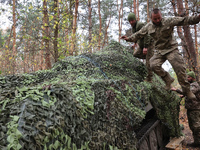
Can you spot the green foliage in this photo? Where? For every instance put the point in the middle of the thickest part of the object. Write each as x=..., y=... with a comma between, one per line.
x=167, y=105
x=82, y=90
x=1, y=39
x=13, y=134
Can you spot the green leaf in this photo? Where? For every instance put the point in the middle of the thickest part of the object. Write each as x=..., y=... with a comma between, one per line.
x=111, y=147
x=49, y=92
x=18, y=134
x=10, y=138
x=22, y=89
x=15, y=118
x=56, y=144
x=69, y=142
x=46, y=139
x=4, y=104
x=45, y=147
x=74, y=147
x=19, y=146
x=44, y=103
x=50, y=146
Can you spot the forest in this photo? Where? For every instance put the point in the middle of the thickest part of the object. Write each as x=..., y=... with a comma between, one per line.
x=36, y=34
x=64, y=70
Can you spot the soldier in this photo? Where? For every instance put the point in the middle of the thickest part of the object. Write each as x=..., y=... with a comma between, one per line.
x=144, y=44
x=193, y=108
x=166, y=47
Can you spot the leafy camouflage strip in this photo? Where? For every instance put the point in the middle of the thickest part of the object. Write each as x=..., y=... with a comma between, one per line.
x=167, y=108
x=92, y=101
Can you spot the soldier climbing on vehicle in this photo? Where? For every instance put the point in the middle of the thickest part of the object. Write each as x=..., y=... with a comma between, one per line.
x=193, y=108
x=166, y=47
x=145, y=44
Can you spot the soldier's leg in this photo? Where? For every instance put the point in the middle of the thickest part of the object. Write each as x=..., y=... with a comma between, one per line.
x=156, y=65
x=149, y=70
x=178, y=64
x=194, y=124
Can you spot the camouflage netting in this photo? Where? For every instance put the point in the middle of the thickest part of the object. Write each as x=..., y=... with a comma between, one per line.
x=92, y=101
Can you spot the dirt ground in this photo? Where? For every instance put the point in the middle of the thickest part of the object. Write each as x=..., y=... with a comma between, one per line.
x=186, y=131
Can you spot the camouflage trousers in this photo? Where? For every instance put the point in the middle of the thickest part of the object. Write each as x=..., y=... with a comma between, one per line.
x=194, y=124
x=178, y=64
x=139, y=54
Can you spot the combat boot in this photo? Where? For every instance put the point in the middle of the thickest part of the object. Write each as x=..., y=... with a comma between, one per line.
x=190, y=95
x=168, y=81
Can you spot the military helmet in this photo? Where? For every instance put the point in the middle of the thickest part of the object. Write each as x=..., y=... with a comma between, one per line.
x=131, y=16
x=191, y=74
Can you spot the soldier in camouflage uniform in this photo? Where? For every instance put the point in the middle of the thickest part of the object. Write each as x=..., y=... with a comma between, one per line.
x=166, y=47
x=193, y=108
x=145, y=44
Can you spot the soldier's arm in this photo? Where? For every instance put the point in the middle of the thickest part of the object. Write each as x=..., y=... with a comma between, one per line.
x=138, y=35
x=140, y=26
x=146, y=37
x=147, y=41
x=181, y=21
x=194, y=87
x=177, y=90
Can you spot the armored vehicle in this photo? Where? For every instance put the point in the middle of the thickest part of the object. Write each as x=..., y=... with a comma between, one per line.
x=96, y=101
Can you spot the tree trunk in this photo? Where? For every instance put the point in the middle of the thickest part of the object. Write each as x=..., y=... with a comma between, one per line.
x=106, y=32
x=118, y=18
x=100, y=25
x=120, y=12
x=73, y=51
x=41, y=62
x=14, y=38
x=131, y=7
x=56, y=20
x=188, y=37
x=46, y=35
x=148, y=11
x=134, y=6
x=69, y=27
x=121, y=17
x=138, y=11
x=197, y=53
x=181, y=36
x=187, y=8
x=42, y=52
x=90, y=25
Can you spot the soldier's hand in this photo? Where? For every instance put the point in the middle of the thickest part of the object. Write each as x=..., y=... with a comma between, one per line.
x=134, y=45
x=145, y=51
x=124, y=37
x=181, y=96
x=173, y=89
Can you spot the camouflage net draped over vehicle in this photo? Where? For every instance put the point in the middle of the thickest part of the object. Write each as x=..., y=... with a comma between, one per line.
x=92, y=101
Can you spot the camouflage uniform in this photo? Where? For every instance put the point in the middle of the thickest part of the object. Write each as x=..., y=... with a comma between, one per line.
x=193, y=111
x=166, y=47
x=145, y=42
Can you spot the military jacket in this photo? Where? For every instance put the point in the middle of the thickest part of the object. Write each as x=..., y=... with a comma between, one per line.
x=162, y=35
x=192, y=104
x=145, y=41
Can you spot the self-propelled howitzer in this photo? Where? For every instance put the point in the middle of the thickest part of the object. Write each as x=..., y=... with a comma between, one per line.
x=92, y=101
